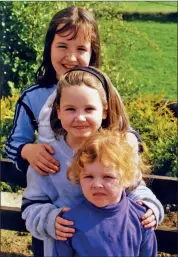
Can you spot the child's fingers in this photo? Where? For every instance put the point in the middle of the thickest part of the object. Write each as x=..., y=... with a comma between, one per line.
x=140, y=202
x=65, y=209
x=150, y=225
x=46, y=165
x=63, y=234
x=49, y=148
x=50, y=159
x=44, y=168
x=64, y=222
x=41, y=172
x=63, y=229
x=147, y=214
x=61, y=238
x=148, y=220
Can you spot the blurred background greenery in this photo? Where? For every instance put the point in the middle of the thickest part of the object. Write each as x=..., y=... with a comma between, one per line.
x=139, y=53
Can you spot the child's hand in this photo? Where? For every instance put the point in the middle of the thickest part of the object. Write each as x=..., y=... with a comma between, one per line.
x=148, y=219
x=39, y=157
x=63, y=232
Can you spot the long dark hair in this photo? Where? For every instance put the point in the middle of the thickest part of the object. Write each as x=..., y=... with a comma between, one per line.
x=70, y=18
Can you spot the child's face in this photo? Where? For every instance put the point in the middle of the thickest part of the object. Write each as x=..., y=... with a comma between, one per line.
x=100, y=185
x=81, y=112
x=67, y=54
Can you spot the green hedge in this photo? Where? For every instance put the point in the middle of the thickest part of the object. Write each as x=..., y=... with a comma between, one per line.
x=152, y=118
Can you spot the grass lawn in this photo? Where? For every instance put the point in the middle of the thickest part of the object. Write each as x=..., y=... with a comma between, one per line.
x=149, y=6
x=155, y=69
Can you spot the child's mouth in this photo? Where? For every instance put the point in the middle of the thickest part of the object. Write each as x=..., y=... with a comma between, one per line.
x=99, y=194
x=68, y=67
x=81, y=127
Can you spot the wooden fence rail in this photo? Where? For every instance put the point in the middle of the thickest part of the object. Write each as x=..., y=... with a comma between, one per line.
x=165, y=188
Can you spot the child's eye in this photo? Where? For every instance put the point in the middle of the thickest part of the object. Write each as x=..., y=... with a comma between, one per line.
x=70, y=109
x=61, y=46
x=109, y=177
x=90, y=109
x=81, y=49
x=89, y=176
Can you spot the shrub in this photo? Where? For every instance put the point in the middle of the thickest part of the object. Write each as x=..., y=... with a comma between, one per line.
x=5, y=187
x=23, y=27
x=7, y=109
x=151, y=117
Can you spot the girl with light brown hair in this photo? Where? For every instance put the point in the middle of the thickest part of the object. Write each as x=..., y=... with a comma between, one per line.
x=85, y=103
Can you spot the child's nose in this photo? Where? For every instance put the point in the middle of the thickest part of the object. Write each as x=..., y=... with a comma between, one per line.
x=80, y=117
x=71, y=56
x=97, y=183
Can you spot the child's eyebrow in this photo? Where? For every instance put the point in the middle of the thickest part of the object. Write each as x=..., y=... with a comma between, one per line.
x=61, y=43
x=109, y=174
x=90, y=105
x=85, y=173
x=82, y=46
x=68, y=105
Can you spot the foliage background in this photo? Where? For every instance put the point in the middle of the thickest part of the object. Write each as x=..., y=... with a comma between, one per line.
x=124, y=48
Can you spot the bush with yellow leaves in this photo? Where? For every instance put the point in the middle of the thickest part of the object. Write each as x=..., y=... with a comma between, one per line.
x=152, y=118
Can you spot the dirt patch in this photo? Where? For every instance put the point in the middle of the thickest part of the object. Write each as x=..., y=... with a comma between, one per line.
x=166, y=255
x=15, y=244
x=170, y=221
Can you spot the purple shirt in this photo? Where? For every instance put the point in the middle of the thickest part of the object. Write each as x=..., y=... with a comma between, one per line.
x=114, y=230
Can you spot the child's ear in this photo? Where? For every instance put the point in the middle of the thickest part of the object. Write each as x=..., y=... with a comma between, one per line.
x=104, y=114
x=58, y=113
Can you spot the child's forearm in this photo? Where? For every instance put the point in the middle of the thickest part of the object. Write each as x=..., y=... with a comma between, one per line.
x=22, y=132
x=37, y=208
x=40, y=219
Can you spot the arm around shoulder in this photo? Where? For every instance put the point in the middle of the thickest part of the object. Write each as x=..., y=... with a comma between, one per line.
x=144, y=194
x=38, y=211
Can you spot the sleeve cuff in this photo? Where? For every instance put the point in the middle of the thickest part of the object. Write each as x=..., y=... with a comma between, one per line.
x=159, y=215
x=21, y=164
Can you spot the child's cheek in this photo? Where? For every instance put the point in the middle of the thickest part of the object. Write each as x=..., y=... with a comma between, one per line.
x=110, y=185
x=86, y=185
x=113, y=185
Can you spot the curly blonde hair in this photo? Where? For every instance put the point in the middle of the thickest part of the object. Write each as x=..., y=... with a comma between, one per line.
x=112, y=150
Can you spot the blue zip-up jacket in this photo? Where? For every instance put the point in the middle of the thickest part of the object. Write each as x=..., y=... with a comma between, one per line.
x=32, y=106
